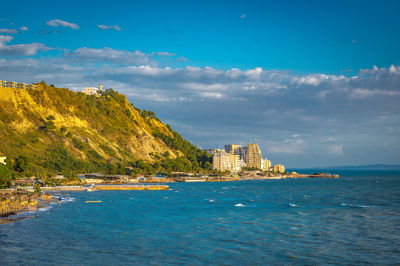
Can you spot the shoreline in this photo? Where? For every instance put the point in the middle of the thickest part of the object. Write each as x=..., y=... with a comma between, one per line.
x=44, y=199
x=153, y=185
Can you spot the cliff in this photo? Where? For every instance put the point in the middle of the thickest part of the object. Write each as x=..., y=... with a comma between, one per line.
x=58, y=130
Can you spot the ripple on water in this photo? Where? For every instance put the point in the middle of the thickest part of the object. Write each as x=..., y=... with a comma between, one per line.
x=190, y=229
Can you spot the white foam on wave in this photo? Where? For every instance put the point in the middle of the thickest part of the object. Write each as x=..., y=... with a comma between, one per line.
x=45, y=209
x=357, y=206
x=210, y=200
x=239, y=205
x=292, y=205
x=67, y=199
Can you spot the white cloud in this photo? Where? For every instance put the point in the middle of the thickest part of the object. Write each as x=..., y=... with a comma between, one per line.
x=8, y=31
x=211, y=95
x=62, y=23
x=19, y=49
x=394, y=70
x=109, y=55
x=363, y=93
x=164, y=54
x=254, y=73
x=336, y=149
x=315, y=79
x=285, y=149
x=109, y=27
x=24, y=28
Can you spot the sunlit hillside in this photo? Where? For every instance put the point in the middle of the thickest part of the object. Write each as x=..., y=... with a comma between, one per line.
x=52, y=130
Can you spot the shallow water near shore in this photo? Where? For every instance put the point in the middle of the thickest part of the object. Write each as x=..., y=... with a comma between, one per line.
x=351, y=220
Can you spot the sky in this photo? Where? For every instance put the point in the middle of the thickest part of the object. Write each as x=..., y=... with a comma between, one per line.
x=315, y=83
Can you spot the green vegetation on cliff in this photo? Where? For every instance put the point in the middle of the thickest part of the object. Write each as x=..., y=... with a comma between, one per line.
x=54, y=130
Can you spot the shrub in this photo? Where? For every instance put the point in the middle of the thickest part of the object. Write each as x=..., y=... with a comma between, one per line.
x=5, y=176
x=51, y=117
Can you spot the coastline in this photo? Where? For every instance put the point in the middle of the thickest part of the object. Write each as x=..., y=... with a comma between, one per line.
x=16, y=202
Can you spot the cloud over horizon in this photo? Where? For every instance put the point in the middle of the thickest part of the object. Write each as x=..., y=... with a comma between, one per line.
x=329, y=112
x=19, y=49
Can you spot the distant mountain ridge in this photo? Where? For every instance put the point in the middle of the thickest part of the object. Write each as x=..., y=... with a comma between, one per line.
x=364, y=167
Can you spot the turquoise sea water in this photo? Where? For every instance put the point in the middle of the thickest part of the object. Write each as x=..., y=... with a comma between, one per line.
x=351, y=220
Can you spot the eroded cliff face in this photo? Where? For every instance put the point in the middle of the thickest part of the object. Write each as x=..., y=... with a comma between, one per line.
x=106, y=128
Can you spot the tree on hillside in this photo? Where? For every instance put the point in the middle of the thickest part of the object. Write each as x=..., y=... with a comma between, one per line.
x=5, y=176
x=21, y=164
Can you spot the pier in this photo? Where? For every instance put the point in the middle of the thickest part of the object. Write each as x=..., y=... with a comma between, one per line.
x=131, y=187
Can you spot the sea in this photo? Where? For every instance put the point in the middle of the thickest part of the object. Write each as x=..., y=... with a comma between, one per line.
x=353, y=220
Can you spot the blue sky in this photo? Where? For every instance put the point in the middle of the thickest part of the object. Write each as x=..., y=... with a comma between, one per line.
x=315, y=82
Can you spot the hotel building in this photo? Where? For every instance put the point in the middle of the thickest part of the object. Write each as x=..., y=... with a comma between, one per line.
x=278, y=168
x=253, y=155
x=265, y=164
x=232, y=149
x=226, y=161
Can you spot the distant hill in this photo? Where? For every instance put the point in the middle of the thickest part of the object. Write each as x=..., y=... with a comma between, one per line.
x=51, y=130
x=365, y=167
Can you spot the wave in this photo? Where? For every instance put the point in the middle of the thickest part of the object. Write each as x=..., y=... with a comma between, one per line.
x=67, y=199
x=240, y=205
x=357, y=206
x=45, y=209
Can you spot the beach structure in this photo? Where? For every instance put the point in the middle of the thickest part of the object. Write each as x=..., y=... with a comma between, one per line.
x=59, y=177
x=17, y=85
x=12, y=201
x=96, y=178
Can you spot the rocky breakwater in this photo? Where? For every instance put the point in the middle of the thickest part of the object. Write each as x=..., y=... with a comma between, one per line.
x=324, y=175
x=12, y=202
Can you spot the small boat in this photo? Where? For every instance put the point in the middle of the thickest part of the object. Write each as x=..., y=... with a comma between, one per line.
x=93, y=201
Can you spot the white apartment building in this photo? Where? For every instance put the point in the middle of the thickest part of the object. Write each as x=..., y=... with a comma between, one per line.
x=226, y=161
